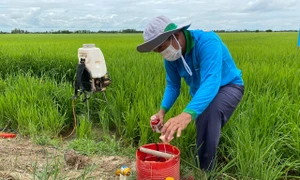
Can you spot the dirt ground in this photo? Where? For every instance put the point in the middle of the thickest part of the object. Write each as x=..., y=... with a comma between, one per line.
x=20, y=159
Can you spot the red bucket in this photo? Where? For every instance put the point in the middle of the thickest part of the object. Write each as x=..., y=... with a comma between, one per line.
x=152, y=167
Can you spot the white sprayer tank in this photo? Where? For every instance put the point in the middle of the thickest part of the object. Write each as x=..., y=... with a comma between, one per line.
x=94, y=60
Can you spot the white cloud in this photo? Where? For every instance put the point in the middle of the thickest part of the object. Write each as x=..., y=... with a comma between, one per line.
x=41, y=15
x=274, y=5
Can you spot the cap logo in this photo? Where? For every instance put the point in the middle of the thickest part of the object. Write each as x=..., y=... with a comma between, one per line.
x=170, y=27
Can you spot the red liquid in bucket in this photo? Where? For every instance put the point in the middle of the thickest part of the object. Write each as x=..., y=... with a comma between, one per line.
x=157, y=168
x=155, y=159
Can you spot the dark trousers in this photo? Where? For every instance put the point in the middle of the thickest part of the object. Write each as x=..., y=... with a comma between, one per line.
x=211, y=121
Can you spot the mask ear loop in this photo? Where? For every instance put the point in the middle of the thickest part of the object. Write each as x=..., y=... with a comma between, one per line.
x=186, y=66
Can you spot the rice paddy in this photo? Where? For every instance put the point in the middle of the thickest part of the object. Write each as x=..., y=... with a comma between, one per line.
x=261, y=140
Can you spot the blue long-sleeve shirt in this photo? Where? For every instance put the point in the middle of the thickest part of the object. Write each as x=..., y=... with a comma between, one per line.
x=212, y=66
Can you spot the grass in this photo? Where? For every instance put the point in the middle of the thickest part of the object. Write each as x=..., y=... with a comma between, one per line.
x=31, y=105
x=53, y=169
x=261, y=140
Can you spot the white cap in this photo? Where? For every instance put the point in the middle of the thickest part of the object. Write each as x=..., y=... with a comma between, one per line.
x=157, y=31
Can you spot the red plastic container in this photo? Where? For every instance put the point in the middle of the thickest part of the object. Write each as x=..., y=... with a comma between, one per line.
x=156, y=168
x=7, y=135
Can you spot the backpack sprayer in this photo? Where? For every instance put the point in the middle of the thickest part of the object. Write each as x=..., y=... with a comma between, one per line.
x=91, y=75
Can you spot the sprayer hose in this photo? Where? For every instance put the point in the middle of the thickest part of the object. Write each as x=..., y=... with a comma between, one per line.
x=74, y=115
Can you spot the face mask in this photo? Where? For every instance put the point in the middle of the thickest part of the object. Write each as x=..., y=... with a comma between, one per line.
x=170, y=53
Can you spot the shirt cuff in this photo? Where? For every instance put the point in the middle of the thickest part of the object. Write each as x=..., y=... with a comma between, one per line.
x=164, y=108
x=191, y=112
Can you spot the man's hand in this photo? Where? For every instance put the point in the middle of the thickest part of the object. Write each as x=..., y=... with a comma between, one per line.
x=177, y=123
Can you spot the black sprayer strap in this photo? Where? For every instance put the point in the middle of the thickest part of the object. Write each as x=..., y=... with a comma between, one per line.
x=78, y=83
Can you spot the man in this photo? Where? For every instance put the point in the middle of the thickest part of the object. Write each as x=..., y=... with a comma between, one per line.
x=216, y=84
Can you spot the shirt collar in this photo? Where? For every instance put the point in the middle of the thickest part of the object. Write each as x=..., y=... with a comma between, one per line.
x=189, y=41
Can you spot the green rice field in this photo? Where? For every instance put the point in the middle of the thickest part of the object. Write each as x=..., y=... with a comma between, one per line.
x=261, y=140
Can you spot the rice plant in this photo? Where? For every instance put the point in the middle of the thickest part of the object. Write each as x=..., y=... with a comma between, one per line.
x=261, y=140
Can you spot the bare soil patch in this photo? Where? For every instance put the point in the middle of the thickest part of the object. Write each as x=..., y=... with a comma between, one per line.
x=20, y=159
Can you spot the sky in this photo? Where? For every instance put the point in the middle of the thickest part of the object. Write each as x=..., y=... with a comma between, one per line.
x=95, y=15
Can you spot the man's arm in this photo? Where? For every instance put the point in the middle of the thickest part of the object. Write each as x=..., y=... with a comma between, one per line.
x=210, y=53
x=172, y=89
